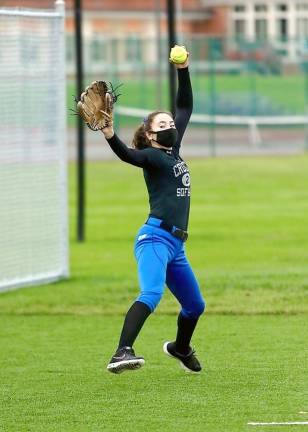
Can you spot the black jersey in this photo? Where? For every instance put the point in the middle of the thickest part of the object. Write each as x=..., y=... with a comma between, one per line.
x=166, y=174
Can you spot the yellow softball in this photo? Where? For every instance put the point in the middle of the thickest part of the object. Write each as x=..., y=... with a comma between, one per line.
x=178, y=54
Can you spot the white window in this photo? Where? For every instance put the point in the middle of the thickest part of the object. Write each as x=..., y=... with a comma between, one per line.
x=239, y=28
x=282, y=7
x=282, y=28
x=302, y=27
x=301, y=7
x=261, y=29
x=260, y=7
x=239, y=8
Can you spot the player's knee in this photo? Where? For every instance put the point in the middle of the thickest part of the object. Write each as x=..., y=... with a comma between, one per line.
x=201, y=307
x=151, y=299
x=195, y=309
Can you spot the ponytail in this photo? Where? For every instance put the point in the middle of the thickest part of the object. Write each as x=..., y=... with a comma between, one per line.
x=140, y=140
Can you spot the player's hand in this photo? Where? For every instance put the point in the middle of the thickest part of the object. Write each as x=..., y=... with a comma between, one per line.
x=108, y=116
x=179, y=56
x=183, y=65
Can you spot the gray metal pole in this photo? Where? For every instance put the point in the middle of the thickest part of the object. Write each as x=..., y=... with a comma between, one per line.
x=212, y=83
x=80, y=127
x=171, y=9
x=179, y=20
x=306, y=104
x=159, y=55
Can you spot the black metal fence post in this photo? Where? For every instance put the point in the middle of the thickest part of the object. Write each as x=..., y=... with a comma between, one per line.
x=80, y=127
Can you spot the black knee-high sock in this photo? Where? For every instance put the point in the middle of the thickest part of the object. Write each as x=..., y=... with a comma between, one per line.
x=134, y=320
x=186, y=327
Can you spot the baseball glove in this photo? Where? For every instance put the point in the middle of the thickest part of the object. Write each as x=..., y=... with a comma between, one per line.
x=95, y=105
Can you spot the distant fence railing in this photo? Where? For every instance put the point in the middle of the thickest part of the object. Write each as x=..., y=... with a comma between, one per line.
x=236, y=82
x=252, y=123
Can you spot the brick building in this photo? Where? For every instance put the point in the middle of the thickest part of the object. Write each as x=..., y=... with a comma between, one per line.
x=115, y=17
x=284, y=23
x=273, y=19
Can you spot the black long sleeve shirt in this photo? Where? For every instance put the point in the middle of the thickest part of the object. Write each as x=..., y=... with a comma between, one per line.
x=166, y=174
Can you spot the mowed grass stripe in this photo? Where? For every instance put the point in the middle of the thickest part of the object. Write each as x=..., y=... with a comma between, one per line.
x=248, y=240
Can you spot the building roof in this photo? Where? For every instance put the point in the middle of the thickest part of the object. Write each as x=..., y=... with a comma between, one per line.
x=108, y=5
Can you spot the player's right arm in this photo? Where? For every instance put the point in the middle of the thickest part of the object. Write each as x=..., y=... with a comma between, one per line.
x=139, y=158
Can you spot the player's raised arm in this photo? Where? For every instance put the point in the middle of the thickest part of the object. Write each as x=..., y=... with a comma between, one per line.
x=184, y=99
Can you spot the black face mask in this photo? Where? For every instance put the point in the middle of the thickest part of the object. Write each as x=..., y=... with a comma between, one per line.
x=166, y=137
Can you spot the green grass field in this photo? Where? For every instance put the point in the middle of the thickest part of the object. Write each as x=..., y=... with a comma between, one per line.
x=249, y=248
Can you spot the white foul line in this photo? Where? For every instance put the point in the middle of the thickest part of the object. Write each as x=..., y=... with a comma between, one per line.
x=277, y=423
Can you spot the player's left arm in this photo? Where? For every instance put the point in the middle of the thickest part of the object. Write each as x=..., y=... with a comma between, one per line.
x=184, y=101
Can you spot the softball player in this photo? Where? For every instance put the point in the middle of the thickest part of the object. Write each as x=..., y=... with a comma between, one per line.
x=159, y=244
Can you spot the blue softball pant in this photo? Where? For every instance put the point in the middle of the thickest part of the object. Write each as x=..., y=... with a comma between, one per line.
x=161, y=260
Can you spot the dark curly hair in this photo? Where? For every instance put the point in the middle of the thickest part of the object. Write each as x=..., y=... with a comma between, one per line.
x=140, y=140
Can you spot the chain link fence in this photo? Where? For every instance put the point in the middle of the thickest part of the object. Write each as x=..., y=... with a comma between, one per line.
x=248, y=95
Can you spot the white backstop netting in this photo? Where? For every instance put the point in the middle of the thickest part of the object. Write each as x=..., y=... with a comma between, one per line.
x=33, y=185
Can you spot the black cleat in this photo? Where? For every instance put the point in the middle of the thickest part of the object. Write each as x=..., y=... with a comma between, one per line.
x=188, y=362
x=125, y=359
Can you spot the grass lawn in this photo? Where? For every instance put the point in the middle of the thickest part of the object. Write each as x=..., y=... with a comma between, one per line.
x=249, y=248
x=52, y=376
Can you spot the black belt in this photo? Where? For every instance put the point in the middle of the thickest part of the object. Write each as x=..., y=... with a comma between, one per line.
x=176, y=232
